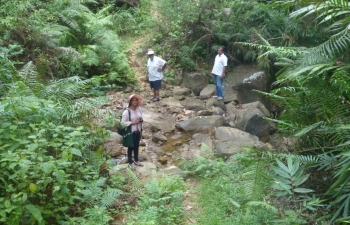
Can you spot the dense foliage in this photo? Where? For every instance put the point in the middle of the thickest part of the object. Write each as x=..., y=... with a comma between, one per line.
x=307, y=42
x=198, y=28
x=67, y=38
x=56, y=57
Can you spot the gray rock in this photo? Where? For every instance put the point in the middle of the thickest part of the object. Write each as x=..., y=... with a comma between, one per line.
x=158, y=137
x=259, y=127
x=181, y=91
x=217, y=111
x=147, y=170
x=193, y=104
x=208, y=91
x=195, y=82
x=230, y=94
x=200, y=124
x=242, y=116
x=231, y=140
x=172, y=170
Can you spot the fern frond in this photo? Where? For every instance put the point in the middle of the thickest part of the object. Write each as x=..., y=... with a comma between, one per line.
x=136, y=182
x=262, y=205
x=108, y=197
x=308, y=129
x=255, y=181
x=307, y=158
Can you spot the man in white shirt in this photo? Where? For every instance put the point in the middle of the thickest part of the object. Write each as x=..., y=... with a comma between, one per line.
x=218, y=73
x=155, y=66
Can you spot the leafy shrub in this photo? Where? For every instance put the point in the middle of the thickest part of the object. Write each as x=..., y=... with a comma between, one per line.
x=161, y=202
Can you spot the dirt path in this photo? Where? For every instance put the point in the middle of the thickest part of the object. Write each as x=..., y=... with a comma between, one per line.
x=138, y=63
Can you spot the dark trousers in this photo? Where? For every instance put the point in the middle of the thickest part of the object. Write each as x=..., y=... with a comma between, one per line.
x=136, y=137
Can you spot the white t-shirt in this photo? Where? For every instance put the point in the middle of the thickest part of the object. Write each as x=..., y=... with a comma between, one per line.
x=153, y=66
x=219, y=64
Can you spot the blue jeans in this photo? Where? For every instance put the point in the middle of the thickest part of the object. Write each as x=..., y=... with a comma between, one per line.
x=219, y=87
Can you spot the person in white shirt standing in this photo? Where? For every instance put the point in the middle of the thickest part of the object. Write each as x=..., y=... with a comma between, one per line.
x=218, y=73
x=155, y=66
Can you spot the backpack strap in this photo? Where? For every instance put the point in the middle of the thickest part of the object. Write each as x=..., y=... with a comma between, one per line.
x=129, y=113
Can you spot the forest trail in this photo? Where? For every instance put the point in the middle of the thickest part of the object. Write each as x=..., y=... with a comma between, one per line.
x=138, y=63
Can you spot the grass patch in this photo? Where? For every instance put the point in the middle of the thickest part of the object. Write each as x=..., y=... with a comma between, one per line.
x=233, y=192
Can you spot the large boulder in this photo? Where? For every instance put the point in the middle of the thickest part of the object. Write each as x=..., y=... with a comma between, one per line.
x=196, y=82
x=258, y=81
x=181, y=91
x=200, y=124
x=230, y=141
x=178, y=77
x=230, y=93
x=243, y=114
x=216, y=103
x=197, y=145
x=208, y=91
x=259, y=127
x=112, y=144
x=193, y=104
x=156, y=121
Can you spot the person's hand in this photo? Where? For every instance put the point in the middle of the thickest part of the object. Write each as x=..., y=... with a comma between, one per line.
x=136, y=121
x=160, y=70
x=222, y=76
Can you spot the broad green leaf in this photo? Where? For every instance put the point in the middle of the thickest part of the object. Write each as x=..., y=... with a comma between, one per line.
x=281, y=186
x=343, y=179
x=235, y=203
x=295, y=168
x=281, y=179
x=47, y=167
x=75, y=151
x=7, y=204
x=282, y=193
x=346, y=153
x=281, y=172
x=5, y=124
x=35, y=212
x=300, y=180
x=24, y=197
x=290, y=165
x=302, y=190
x=282, y=166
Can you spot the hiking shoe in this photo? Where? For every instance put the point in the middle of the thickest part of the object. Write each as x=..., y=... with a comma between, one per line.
x=138, y=164
x=152, y=99
x=131, y=166
x=215, y=96
x=219, y=98
x=155, y=99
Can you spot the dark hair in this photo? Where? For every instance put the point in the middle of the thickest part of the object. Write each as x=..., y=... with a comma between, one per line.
x=223, y=48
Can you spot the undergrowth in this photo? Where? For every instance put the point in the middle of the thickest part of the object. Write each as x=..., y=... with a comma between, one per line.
x=241, y=191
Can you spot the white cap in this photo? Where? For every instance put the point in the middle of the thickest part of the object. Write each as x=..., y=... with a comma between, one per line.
x=150, y=52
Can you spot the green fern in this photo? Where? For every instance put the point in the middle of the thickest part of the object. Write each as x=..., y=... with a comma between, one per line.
x=135, y=181
x=256, y=181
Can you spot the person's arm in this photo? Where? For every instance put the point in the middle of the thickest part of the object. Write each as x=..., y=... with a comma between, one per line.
x=147, y=72
x=164, y=66
x=125, y=118
x=223, y=72
x=225, y=65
